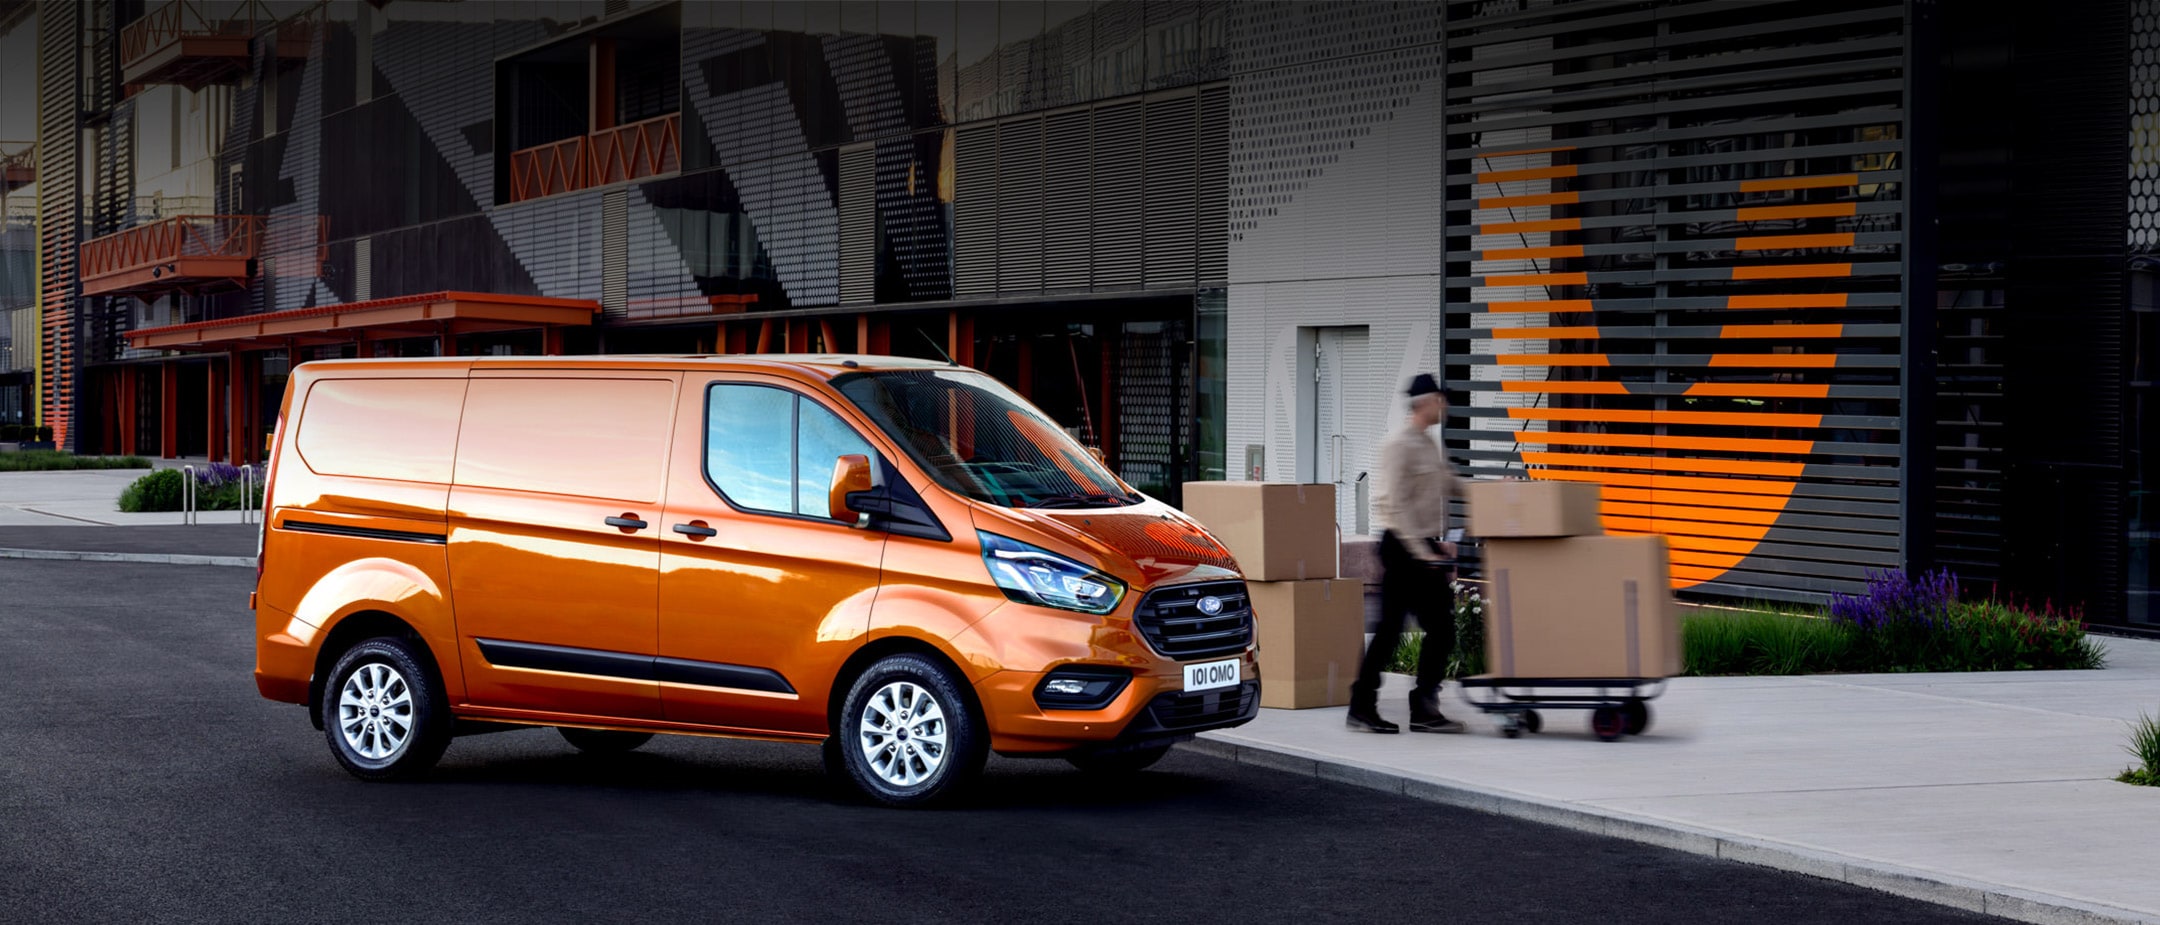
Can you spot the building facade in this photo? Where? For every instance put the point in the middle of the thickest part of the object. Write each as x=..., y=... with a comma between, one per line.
x=1811, y=288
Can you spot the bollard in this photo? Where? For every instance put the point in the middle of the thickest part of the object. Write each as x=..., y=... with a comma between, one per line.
x=247, y=493
x=187, y=495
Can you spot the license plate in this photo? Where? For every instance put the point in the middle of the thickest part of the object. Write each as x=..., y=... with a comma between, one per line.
x=1208, y=676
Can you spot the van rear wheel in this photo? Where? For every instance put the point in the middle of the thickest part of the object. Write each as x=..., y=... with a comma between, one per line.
x=603, y=741
x=384, y=714
x=908, y=734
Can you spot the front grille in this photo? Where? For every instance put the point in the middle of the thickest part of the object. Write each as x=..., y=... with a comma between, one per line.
x=1174, y=624
x=1201, y=708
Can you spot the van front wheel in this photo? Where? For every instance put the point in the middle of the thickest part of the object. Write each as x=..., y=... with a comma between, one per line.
x=907, y=734
x=382, y=711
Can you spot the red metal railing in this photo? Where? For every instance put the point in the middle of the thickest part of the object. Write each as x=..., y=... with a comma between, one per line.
x=629, y=152
x=182, y=236
x=178, y=19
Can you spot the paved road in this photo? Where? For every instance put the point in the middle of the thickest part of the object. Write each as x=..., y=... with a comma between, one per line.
x=141, y=779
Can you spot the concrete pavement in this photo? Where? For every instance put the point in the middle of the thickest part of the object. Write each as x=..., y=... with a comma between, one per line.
x=82, y=497
x=1988, y=792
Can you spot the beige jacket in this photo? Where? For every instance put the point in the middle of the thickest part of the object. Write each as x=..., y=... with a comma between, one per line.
x=1411, y=494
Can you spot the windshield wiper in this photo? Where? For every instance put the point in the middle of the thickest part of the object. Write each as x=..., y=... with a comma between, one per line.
x=1080, y=499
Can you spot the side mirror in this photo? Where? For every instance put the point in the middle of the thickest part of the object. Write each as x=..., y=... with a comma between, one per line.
x=851, y=474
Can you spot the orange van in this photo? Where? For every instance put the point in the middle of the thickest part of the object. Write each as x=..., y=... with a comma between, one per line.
x=901, y=560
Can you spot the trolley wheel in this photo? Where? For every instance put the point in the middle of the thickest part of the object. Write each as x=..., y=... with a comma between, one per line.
x=1636, y=715
x=1511, y=729
x=1532, y=722
x=1607, y=723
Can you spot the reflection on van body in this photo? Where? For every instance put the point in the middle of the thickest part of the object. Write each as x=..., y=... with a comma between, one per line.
x=901, y=561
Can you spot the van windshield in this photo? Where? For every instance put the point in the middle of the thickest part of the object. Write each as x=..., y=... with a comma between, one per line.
x=975, y=437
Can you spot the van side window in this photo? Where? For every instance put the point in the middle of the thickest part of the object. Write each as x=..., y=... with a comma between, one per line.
x=769, y=449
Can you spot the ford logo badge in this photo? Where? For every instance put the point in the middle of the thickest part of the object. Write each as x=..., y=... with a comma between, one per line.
x=1211, y=605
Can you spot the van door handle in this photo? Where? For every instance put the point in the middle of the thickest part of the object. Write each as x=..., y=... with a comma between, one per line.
x=627, y=522
x=696, y=530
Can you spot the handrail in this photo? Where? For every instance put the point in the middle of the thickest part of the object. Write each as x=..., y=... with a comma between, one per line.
x=187, y=495
x=626, y=152
x=179, y=236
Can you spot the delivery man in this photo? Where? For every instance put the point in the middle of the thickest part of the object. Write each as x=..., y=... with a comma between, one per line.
x=1417, y=565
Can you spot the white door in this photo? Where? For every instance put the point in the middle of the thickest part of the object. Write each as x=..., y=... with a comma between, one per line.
x=1339, y=439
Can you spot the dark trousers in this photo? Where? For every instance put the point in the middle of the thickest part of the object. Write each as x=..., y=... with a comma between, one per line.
x=1408, y=584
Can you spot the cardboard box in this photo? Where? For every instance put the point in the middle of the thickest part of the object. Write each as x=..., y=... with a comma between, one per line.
x=1581, y=607
x=1278, y=531
x=1519, y=508
x=1311, y=635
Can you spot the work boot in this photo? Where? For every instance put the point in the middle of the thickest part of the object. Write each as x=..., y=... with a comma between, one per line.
x=1367, y=719
x=1425, y=715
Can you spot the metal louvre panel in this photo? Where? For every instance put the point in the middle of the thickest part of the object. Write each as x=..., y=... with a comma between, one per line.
x=1066, y=222
x=975, y=211
x=1020, y=206
x=363, y=269
x=59, y=30
x=1674, y=268
x=1118, y=244
x=615, y=254
x=1213, y=182
x=858, y=225
x=1171, y=196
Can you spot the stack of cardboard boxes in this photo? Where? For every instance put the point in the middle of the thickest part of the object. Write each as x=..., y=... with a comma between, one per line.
x=1563, y=600
x=1309, y=623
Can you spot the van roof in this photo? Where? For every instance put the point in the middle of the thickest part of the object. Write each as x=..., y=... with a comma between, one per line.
x=824, y=365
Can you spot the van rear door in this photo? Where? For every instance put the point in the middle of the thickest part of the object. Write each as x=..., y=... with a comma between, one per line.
x=555, y=538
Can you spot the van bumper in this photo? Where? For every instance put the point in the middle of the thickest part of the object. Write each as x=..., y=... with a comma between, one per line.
x=284, y=656
x=1153, y=709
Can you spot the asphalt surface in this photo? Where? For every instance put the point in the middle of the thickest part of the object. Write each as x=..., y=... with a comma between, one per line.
x=142, y=779
x=190, y=539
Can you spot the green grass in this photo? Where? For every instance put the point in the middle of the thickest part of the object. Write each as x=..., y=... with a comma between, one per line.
x=2145, y=747
x=1761, y=642
x=49, y=460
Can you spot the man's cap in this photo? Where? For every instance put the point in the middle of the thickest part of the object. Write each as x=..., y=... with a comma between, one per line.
x=1423, y=384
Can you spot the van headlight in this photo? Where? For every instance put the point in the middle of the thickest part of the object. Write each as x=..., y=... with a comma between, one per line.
x=1033, y=575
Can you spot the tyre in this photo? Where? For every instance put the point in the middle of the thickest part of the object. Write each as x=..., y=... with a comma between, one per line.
x=603, y=741
x=1635, y=717
x=1532, y=722
x=1120, y=763
x=909, y=733
x=1607, y=723
x=383, y=711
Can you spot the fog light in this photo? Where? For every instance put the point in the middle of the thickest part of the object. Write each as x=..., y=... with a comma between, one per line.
x=1081, y=687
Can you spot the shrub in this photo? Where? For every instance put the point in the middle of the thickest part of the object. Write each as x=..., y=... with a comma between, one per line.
x=1762, y=641
x=44, y=433
x=158, y=491
x=1899, y=620
x=1994, y=636
x=2145, y=747
x=43, y=460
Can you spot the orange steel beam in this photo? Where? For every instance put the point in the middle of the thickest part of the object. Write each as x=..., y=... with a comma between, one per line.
x=613, y=155
x=171, y=252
